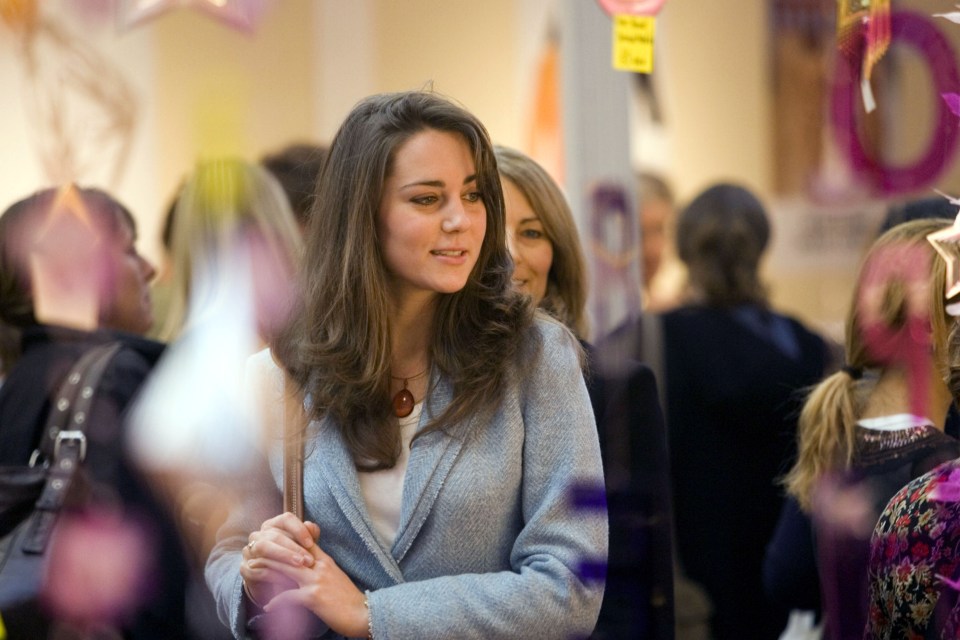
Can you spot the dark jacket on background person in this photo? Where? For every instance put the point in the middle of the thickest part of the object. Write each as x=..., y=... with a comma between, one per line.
x=884, y=461
x=734, y=380
x=731, y=381
x=638, y=599
x=47, y=353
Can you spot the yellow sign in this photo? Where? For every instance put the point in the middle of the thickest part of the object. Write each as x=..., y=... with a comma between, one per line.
x=3, y=630
x=633, y=43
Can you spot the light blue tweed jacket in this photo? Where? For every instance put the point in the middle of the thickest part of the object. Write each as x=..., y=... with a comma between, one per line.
x=490, y=543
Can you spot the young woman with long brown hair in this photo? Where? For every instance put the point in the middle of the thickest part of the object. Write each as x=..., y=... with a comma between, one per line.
x=450, y=429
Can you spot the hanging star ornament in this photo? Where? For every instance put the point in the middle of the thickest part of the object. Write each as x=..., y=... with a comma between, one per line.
x=947, y=243
x=953, y=16
x=65, y=272
x=243, y=15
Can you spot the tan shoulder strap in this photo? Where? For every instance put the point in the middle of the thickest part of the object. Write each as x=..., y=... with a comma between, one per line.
x=294, y=423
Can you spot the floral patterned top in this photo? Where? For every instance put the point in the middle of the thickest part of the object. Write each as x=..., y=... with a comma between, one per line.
x=915, y=560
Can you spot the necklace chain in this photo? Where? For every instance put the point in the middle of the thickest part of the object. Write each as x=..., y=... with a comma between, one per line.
x=408, y=378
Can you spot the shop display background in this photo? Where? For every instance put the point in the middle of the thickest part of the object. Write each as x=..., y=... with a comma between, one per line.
x=203, y=88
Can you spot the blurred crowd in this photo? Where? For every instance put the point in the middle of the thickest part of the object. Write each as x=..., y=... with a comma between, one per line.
x=360, y=397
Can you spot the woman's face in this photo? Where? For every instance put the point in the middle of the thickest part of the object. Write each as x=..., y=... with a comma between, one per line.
x=432, y=217
x=529, y=246
x=125, y=286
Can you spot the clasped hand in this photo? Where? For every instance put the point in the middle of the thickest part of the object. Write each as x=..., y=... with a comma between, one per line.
x=283, y=565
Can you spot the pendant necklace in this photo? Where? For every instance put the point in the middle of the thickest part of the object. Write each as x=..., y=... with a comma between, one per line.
x=403, y=400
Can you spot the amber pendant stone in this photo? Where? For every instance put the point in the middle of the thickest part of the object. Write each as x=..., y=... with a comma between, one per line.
x=403, y=403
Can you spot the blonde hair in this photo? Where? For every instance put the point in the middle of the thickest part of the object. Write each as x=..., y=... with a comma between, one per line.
x=220, y=198
x=827, y=424
x=566, y=295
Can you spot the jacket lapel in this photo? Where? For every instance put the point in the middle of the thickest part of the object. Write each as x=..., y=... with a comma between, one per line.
x=431, y=458
x=339, y=474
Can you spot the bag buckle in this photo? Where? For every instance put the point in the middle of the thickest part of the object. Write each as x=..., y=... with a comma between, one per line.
x=37, y=456
x=71, y=435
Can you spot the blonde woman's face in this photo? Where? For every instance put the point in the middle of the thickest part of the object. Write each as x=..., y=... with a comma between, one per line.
x=529, y=246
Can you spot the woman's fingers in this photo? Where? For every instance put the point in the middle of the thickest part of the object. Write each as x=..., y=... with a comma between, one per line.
x=314, y=530
x=262, y=571
x=262, y=582
x=283, y=538
x=300, y=574
x=275, y=557
x=294, y=528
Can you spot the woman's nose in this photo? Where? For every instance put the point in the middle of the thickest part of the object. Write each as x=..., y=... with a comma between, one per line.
x=147, y=268
x=456, y=218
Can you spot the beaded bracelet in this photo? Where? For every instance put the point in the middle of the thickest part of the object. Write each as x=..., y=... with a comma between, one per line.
x=366, y=603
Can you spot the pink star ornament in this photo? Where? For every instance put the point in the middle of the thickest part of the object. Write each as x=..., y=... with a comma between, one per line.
x=946, y=242
x=243, y=15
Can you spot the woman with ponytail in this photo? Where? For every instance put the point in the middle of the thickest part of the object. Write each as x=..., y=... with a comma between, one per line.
x=866, y=430
x=732, y=365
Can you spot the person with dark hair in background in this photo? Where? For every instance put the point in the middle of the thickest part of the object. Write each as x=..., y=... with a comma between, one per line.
x=71, y=279
x=450, y=439
x=656, y=214
x=550, y=268
x=731, y=367
x=296, y=167
x=921, y=209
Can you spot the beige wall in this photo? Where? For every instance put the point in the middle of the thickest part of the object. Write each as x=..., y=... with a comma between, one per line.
x=712, y=70
x=203, y=88
x=467, y=50
x=222, y=92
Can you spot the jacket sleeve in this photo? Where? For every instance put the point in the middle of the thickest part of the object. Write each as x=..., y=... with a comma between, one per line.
x=790, y=575
x=558, y=560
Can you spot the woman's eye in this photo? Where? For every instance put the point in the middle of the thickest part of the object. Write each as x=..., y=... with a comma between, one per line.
x=531, y=234
x=424, y=200
x=473, y=196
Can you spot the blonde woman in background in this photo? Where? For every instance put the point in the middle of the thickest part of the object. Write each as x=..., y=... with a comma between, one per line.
x=864, y=433
x=224, y=204
x=234, y=247
x=550, y=268
x=542, y=237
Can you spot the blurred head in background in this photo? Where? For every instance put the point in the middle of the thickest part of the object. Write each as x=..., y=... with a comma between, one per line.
x=721, y=237
x=656, y=213
x=225, y=206
x=68, y=256
x=297, y=167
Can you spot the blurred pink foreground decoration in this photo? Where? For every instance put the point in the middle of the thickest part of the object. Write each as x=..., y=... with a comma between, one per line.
x=80, y=108
x=243, y=15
